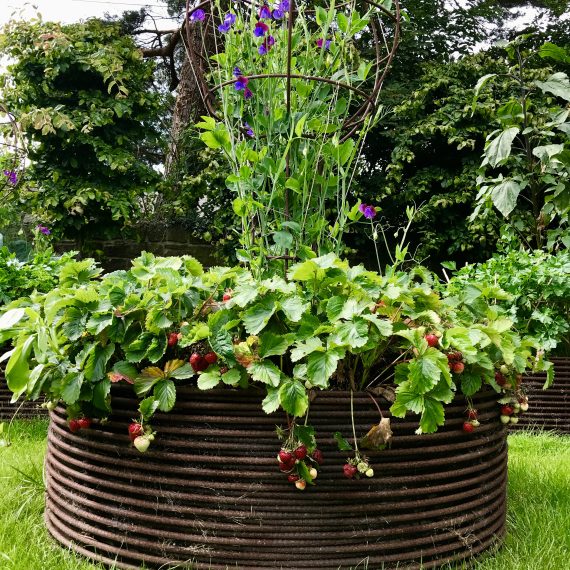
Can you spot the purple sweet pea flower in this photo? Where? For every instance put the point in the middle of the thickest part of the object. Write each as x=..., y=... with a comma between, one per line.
x=249, y=132
x=43, y=230
x=260, y=29
x=241, y=83
x=266, y=45
x=247, y=93
x=12, y=177
x=265, y=12
x=284, y=5
x=368, y=211
x=327, y=43
x=197, y=15
x=229, y=21
x=237, y=71
x=277, y=14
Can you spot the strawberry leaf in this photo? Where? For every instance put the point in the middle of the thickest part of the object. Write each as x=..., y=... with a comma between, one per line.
x=165, y=394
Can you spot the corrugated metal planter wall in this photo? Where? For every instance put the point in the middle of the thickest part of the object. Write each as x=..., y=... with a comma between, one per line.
x=548, y=409
x=23, y=409
x=209, y=495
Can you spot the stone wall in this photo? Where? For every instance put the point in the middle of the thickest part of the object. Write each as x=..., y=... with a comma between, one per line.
x=117, y=253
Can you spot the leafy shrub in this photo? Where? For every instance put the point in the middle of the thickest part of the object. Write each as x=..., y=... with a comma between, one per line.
x=22, y=278
x=532, y=287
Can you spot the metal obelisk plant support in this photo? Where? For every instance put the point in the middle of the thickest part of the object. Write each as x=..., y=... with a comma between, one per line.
x=293, y=141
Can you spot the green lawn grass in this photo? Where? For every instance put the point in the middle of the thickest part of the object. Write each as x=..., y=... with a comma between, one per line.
x=538, y=519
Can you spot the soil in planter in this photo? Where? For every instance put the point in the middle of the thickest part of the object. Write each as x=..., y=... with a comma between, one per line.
x=209, y=492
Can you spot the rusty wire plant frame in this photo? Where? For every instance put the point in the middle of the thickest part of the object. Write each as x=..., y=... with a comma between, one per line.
x=292, y=179
x=13, y=147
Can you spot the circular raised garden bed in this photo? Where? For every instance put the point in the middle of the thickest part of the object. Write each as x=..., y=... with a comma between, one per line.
x=23, y=408
x=208, y=494
x=548, y=409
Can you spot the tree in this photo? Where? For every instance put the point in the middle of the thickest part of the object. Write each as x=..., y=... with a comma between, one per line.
x=82, y=95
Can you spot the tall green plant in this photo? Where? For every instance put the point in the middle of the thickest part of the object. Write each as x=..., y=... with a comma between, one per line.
x=292, y=163
x=525, y=173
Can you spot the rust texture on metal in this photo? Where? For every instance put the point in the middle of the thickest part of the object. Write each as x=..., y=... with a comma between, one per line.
x=21, y=409
x=548, y=409
x=209, y=495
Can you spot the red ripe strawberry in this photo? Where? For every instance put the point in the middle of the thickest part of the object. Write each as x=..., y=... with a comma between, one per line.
x=317, y=455
x=74, y=426
x=458, y=367
x=431, y=339
x=507, y=410
x=286, y=467
x=286, y=456
x=500, y=379
x=301, y=452
x=472, y=414
x=135, y=429
x=84, y=423
x=450, y=357
x=198, y=362
x=226, y=297
x=292, y=478
x=349, y=471
x=172, y=339
x=468, y=427
x=211, y=357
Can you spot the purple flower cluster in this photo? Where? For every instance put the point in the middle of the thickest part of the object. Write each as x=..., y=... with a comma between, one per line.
x=197, y=15
x=368, y=211
x=11, y=176
x=229, y=21
x=281, y=9
x=326, y=43
x=249, y=131
x=241, y=83
x=44, y=230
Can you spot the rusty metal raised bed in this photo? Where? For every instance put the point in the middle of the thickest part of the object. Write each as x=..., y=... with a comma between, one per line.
x=208, y=493
x=548, y=409
x=22, y=409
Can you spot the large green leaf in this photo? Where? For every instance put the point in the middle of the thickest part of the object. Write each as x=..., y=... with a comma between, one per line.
x=271, y=402
x=101, y=395
x=293, y=397
x=271, y=344
x=210, y=379
x=432, y=417
x=294, y=307
x=10, y=318
x=265, y=372
x=353, y=334
x=72, y=383
x=165, y=394
x=256, y=317
x=18, y=367
x=499, y=148
x=321, y=366
x=504, y=196
x=557, y=84
x=96, y=365
x=303, y=348
x=425, y=371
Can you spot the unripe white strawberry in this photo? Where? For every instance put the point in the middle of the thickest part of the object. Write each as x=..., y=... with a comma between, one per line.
x=505, y=419
x=369, y=472
x=301, y=484
x=524, y=406
x=514, y=420
x=504, y=369
x=362, y=467
x=142, y=443
x=308, y=385
x=475, y=423
x=313, y=472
